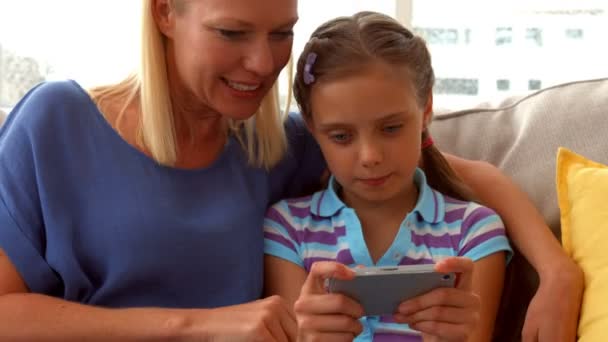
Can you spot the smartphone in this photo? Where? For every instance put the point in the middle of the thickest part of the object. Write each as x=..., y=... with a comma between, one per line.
x=380, y=290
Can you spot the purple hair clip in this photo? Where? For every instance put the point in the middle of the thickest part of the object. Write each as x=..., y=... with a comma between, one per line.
x=310, y=61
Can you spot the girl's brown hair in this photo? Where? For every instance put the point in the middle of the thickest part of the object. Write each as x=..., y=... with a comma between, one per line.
x=348, y=44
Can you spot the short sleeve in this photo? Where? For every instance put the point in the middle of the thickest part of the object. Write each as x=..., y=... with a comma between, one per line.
x=22, y=234
x=281, y=235
x=483, y=234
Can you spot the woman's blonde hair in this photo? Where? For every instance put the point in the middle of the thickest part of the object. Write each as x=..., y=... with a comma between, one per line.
x=262, y=135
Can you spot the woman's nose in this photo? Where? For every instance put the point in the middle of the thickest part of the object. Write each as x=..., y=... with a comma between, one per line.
x=260, y=59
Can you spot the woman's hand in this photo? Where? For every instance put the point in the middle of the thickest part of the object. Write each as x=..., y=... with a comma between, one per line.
x=268, y=319
x=553, y=312
x=446, y=314
x=323, y=316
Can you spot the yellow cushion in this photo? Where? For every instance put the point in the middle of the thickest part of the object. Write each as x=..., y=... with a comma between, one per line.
x=582, y=192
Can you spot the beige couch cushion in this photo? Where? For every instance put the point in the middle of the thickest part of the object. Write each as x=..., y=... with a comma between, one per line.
x=521, y=135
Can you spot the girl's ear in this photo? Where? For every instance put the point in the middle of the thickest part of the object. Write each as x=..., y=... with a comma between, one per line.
x=428, y=111
x=164, y=16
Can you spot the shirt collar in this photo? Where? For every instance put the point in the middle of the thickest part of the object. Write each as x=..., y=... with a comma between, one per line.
x=430, y=204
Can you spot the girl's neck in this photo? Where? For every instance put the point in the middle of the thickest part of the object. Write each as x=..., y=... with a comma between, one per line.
x=381, y=220
x=396, y=206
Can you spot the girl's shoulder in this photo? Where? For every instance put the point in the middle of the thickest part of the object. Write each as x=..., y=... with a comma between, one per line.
x=456, y=209
x=299, y=207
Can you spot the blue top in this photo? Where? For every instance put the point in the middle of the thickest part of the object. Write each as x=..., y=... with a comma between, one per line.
x=322, y=227
x=87, y=217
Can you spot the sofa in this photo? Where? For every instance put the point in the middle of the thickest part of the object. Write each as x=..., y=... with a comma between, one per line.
x=521, y=135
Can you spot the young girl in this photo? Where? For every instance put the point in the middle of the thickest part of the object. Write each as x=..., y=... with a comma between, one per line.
x=364, y=86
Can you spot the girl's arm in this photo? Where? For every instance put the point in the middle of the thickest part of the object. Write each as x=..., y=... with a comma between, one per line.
x=283, y=278
x=321, y=316
x=26, y=316
x=488, y=279
x=559, y=276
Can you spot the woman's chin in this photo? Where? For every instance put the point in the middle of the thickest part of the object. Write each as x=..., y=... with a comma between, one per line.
x=239, y=113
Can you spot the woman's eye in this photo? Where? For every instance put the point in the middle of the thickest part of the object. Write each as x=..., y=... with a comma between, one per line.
x=230, y=34
x=282, y=35
x=392, y=128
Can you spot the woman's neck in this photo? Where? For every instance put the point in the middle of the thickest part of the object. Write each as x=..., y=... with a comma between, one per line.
x=200, y=134
x=200, y=131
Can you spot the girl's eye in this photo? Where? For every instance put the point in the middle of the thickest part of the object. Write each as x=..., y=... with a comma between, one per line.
x=340, y=138
x=230, y=34
x=392, y=128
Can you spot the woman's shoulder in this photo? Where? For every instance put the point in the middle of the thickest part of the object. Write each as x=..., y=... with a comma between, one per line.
x=295, y=127
x=46, y=102
x=49, y=123
x=60, y=93
x=300, y=170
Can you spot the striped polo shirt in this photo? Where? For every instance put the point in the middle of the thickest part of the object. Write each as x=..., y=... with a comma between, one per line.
x=321, y=227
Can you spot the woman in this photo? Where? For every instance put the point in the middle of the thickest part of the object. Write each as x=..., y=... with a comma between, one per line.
x=126, y=207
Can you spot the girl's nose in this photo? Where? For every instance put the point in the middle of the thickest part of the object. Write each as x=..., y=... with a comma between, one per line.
x=370, y=154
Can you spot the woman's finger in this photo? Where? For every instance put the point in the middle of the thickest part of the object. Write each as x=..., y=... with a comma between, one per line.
x=285, y=327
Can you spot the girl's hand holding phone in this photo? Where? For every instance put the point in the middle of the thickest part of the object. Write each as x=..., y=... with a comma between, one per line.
x=445, y=314
x=323, y=316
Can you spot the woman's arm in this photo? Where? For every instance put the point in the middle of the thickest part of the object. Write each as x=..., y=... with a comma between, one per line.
x=560, y=277
x=26, y=316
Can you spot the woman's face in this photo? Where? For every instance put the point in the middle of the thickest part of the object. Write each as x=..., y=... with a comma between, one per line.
x=225, y=55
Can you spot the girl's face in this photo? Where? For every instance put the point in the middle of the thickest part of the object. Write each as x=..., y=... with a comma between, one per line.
x=226, y=55
x=369, y=126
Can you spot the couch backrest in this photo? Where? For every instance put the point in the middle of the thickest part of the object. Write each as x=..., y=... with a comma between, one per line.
x=521, y=135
